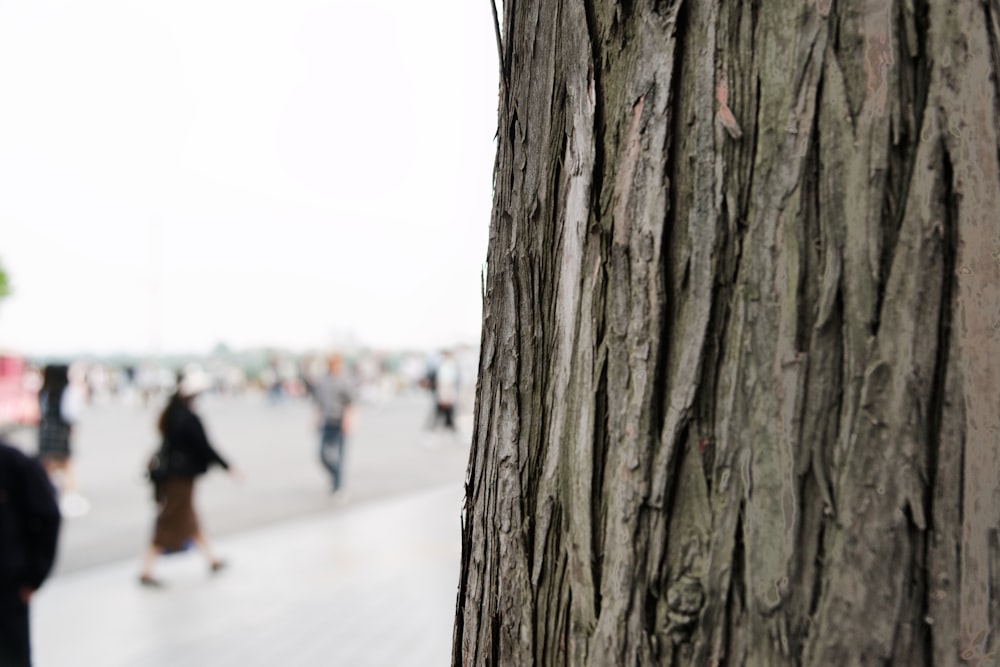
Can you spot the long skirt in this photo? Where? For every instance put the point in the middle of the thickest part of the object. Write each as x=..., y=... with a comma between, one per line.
x=176, y=521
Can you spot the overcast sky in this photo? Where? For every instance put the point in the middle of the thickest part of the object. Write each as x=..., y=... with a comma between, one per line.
x=285, y=173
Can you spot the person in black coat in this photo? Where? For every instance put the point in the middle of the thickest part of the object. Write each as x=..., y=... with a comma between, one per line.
x=185, y=455
x=29, y=534
x=60, y=403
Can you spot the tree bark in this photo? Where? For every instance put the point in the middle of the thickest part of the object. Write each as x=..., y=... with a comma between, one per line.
x=739, y=392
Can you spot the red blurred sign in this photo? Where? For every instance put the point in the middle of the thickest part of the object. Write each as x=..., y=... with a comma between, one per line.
x=19, y=384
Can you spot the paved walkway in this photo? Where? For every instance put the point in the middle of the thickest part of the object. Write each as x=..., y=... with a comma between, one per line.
x=368, y=584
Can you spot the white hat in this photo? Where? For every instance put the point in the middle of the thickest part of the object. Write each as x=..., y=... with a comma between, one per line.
x=194, y=382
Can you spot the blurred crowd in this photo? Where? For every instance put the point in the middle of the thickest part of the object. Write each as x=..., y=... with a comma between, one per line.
x=281, y=375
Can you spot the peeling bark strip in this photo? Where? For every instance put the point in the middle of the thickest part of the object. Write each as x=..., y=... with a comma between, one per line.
x=740, y=367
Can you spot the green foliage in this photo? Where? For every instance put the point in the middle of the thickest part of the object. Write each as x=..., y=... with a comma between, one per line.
x=4, y=283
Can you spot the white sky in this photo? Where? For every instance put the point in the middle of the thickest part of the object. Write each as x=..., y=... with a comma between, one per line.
x=284, y=172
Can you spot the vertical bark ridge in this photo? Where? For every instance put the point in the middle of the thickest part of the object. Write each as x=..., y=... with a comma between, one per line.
x=944, y=542
x=636, y=206
x=716, y=638
x=467, y=626
x=815, y=430
x=772, y=375
x=672, y=592
x=970, y=116
x=547, y=223
x=697, y=219
x=944, y=465
x=596, y=41
x=991, y=11
x=880, y=492
x=521, y=190
x=855, y=195
x=571, y=362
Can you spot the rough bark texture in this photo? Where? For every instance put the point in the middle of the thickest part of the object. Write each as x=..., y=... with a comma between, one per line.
x=739, y=395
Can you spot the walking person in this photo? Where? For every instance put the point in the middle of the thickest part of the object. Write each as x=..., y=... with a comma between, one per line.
x=186, y=455
x=60, y=403
x=334, y=397
x=29, y=534
x=447, y=389
x=429, y=382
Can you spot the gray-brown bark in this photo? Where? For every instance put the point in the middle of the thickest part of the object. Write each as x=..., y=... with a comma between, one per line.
x=739, y=394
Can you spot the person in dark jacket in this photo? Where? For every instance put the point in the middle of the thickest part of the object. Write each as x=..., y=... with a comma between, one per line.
x=29, y=534
x=60, y=403
x=187, y=455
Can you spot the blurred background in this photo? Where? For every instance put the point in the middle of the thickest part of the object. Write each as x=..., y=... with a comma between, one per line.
x=179, y=175
x=246, y=188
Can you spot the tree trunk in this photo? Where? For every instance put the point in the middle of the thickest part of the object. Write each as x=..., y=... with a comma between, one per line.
x=739, y=393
